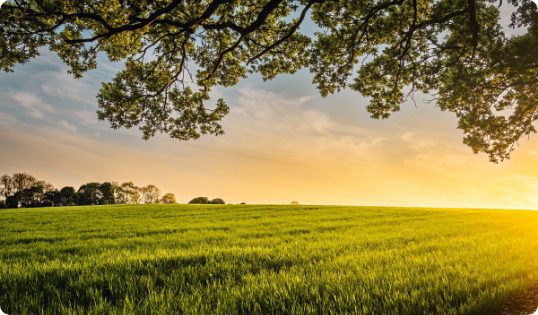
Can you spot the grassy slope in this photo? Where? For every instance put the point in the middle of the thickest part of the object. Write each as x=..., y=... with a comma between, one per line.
x=168, y=259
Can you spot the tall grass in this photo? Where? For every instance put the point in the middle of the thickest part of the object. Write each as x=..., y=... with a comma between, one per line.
x=162, y=259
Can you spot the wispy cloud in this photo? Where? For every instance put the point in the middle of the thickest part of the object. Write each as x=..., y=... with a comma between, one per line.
x=35, y=107
x=67, y=126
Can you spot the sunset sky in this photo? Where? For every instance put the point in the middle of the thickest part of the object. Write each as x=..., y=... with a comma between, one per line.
x=283, y=143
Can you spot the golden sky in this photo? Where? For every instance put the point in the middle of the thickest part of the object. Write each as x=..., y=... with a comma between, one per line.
x=283, y=143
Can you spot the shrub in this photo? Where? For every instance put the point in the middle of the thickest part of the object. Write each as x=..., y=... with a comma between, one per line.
x=199, y=200
x=168, y=198
x=294, y=203
x=217, y=201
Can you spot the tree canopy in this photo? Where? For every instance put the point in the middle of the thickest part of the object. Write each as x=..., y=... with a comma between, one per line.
x=176, y=52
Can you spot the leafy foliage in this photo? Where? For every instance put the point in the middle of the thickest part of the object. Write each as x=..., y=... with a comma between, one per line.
x=217, y=201
x=90, y=194
x=386, y=50
x=150, y=194
x=107, y=189
x=127, y=193
x=168, y=198
x=52, y=198
x=69, y=196
x=30, y=197
x=6, y=185
x=199, y=200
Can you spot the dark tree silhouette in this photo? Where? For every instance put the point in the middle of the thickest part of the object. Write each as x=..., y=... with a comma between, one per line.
x=52, y=198
x=199, y=200
x=90, y=194
x=69, y=196
x=217, y=201
x=107, y=189
x=31, y=197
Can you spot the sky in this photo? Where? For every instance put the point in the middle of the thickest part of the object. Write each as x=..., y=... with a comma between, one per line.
x=282, y=143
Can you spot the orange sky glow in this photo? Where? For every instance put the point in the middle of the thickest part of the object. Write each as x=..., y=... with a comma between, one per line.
x=283, y=143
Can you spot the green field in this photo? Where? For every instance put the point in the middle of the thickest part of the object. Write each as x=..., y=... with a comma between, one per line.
x=163, y=259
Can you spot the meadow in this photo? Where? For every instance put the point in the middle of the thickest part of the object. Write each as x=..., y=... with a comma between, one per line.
x=222, y=259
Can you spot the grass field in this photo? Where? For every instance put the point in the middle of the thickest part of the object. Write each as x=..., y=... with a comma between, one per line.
x=263, y=259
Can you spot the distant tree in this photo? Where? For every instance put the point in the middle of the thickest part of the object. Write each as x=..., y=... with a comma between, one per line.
x=127, y=193
x=294, y=203
x=199, y=200
x=150, y=194
x=243, y=203
x=108, y=191
x=47, y=187
x=22, y=181
x=168, y=198
x=89, y=194
x=24, y=190
x=31, y=197
x=52, y=199
x=68, y=196
x=217, y=201
x=6, y=186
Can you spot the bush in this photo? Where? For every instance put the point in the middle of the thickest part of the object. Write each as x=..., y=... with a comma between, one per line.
x=217, y=201
x=294, y=203
x=168, y=198
x=199, y=200
x=2, y=204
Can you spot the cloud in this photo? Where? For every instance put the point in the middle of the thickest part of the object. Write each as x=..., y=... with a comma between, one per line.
x=8, y=120
x=291, y=122
x=43, y=93
x=35, y=107
x=67, y=126
x=77, y=92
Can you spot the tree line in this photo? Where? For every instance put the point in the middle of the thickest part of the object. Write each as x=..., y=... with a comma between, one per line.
x=26, y=191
